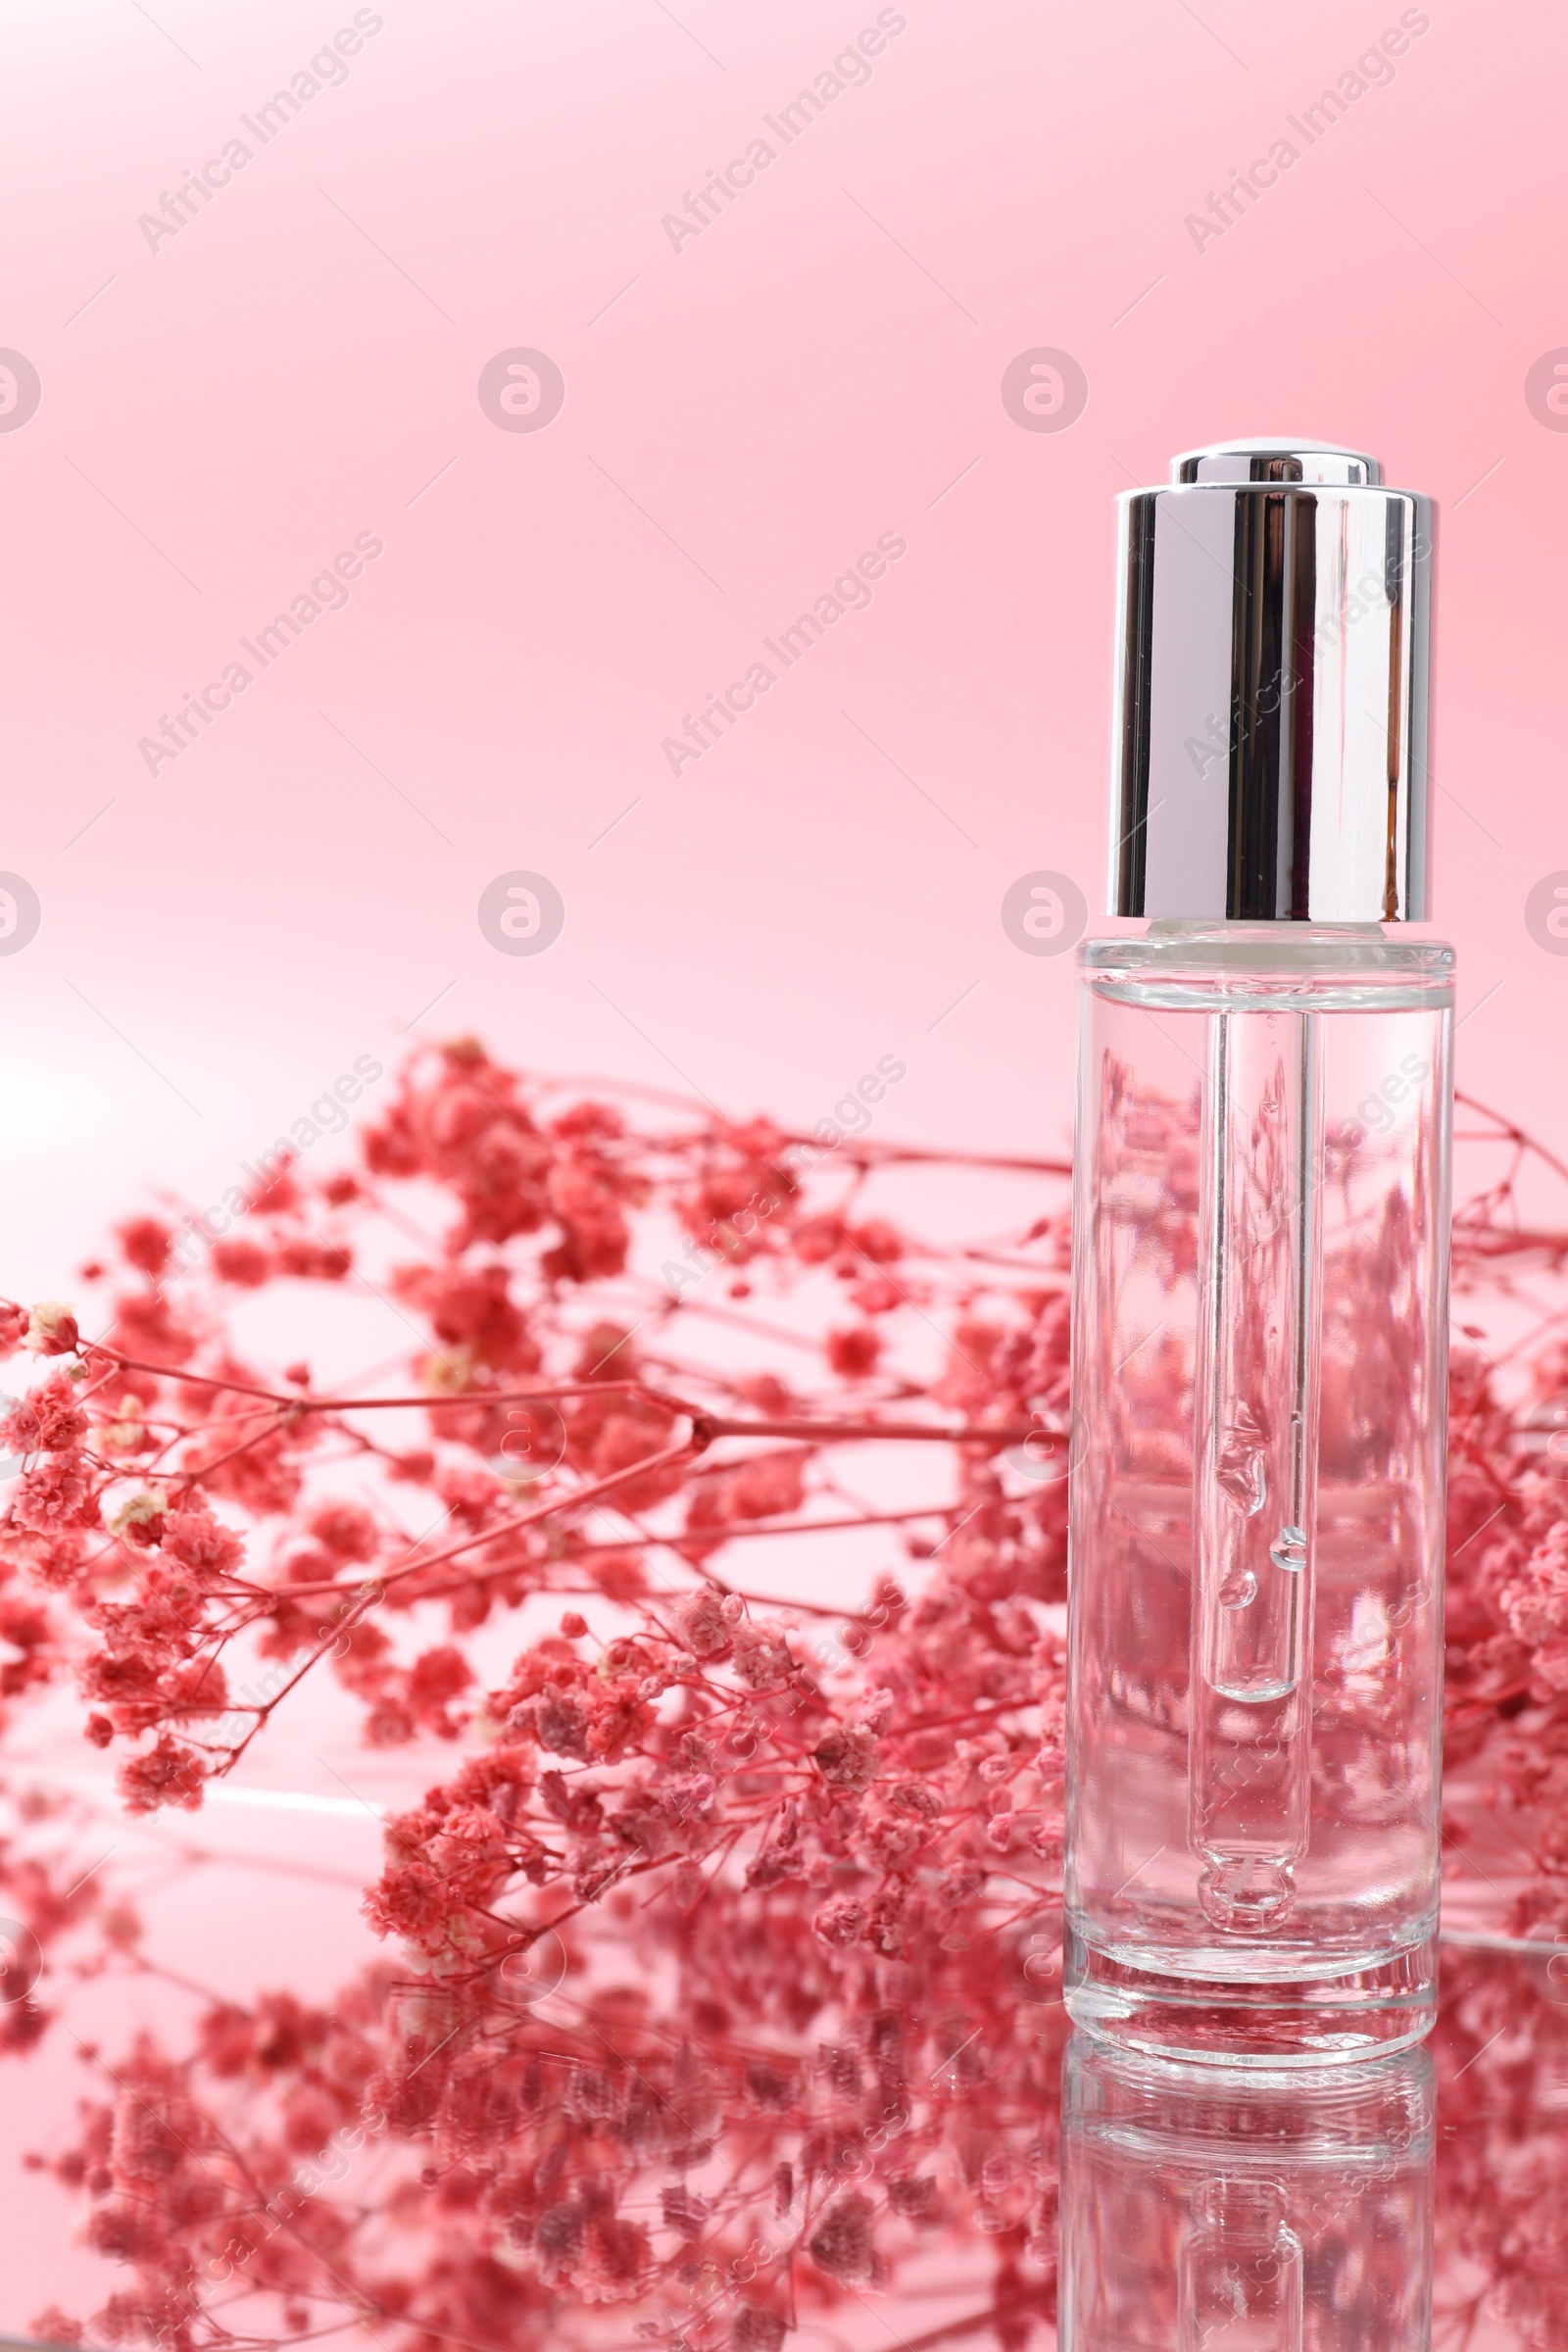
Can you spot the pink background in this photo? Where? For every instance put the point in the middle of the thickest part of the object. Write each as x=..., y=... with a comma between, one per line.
x=817, y=368
x=743, y=416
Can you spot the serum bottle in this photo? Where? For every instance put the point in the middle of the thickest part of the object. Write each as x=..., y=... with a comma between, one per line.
x=1260, y=1304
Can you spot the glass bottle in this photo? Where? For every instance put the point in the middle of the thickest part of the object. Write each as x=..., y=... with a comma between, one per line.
x=1260, y=1308
x=1268, y=2211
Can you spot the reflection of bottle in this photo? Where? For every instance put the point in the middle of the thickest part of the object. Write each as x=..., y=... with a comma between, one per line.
x=1239, y=2271
x=1279, y=2210
x=1260, y=1341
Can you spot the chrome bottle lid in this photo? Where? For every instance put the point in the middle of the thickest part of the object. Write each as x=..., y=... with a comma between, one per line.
x=1270, y=749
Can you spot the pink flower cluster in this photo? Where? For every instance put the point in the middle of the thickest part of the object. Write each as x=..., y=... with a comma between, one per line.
x=722, y=1975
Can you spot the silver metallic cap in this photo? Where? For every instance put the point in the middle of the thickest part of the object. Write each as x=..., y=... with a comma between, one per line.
x=1270, y=746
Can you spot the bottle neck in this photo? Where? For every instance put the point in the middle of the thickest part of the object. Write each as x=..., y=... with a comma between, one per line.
x=1374, y=954
x=1225, y=926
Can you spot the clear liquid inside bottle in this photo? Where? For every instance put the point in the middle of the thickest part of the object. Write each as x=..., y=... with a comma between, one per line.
x=1260, y=1322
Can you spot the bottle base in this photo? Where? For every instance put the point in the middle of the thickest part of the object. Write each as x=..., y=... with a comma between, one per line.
x=1366, y=2011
